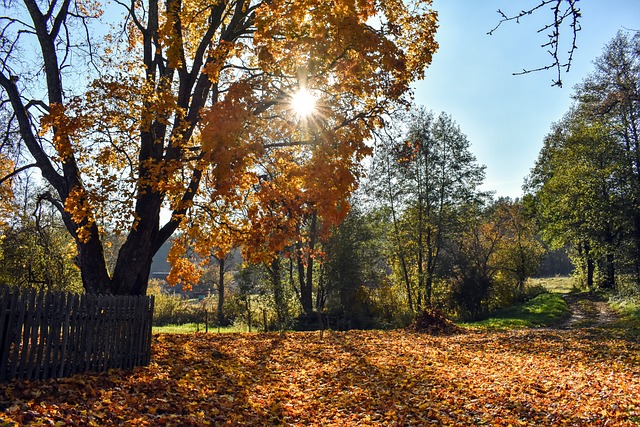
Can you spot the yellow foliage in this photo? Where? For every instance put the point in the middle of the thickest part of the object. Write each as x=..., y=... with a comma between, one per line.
x=66, y=123
x=7, y=201
x=193, y=113
x=184, y=271
x=80, y=209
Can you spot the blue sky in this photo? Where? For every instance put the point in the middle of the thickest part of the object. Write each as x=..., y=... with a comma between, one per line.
x=506, y=117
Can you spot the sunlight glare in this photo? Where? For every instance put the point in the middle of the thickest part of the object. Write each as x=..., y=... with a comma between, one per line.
x=303, y=103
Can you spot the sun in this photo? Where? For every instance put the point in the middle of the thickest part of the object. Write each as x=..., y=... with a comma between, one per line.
x=303, y=103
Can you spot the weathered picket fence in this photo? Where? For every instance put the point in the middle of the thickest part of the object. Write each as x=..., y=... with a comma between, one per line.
x=54, y=334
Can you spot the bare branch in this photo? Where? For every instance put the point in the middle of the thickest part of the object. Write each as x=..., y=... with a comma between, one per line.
x=37, y=103
x=563, y=11
x=16, y=172
x=49, y=198
x=289, y=144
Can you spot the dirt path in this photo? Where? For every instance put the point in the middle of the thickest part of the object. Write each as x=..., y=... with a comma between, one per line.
x=588, y=311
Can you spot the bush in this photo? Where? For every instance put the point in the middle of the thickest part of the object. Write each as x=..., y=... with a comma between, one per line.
x=173, y=309
x=470, y=295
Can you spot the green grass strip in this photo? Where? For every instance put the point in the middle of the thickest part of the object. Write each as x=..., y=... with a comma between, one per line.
x=546, y=309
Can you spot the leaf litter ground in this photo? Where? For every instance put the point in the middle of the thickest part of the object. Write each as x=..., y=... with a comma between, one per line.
x=357, y=378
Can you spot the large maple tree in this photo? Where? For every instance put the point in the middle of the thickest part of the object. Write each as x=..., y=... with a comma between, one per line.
x=139, y=110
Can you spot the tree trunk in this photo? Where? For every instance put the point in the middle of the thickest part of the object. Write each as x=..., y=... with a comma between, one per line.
x=521, y=272
x=636, y=238
x=306, y=295
x=92, y=265
x=591, y=266
x=131, y=273
x=590, y=269
x=278, y=294
x=305, y=272
x=221, y=319
x=396, y=228
x=321, y=292
x=421, y=282
x=610, y=280
x=248, y=308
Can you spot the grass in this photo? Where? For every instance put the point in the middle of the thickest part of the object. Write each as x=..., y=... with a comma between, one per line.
x=546, y=309
x=189, y=328
x=561, y=285
x=629, y=310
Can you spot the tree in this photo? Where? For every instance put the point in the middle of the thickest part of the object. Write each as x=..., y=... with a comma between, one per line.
x=281, y=295
x=432, y=174
x=7, y=205
x=611, y=95
x=353, y=268
x=587, y=181
x=383, y=186
x=250, y=279
x=9, y=175
x=519, y=253
x=125, y=127
x=580, y=192
x=472, y=270
x=491, y=258
x=35, y=250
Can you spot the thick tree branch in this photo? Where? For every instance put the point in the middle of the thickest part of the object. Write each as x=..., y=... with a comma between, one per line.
x=26, y=131
x=178, y=214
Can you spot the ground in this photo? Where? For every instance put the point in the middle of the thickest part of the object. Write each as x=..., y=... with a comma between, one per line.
x=358, y=378
x=589, y=310
x=583, y=373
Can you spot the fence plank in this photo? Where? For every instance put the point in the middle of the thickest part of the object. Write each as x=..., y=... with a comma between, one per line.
x=54, y=333
x=6, y=329
x=89, y=337
x=147, y=325
x=75, y=349
x=44, y=335
x=128, y=335
x=118, y=332
x=29, y=298
x=64, y=335
x=17, y=342
x=36, y=316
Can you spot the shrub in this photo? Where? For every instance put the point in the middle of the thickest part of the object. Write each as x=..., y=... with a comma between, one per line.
x=173, y=309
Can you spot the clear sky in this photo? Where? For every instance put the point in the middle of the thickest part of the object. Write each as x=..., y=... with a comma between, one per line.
x=506, y=117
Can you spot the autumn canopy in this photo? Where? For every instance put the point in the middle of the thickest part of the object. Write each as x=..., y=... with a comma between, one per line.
x=186, y=106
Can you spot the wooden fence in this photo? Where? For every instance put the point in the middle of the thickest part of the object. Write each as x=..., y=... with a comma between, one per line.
x=55, y=334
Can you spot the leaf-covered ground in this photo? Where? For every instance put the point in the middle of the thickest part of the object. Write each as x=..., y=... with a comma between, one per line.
x=523, y=377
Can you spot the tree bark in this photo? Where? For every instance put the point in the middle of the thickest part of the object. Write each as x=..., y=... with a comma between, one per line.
x=401, y=256
x=610, y=280
x=278, y=295
x=305, y=268
x=221, y=319
x=591, y=266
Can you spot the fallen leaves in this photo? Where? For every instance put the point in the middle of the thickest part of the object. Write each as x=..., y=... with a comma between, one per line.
x=364, y=378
